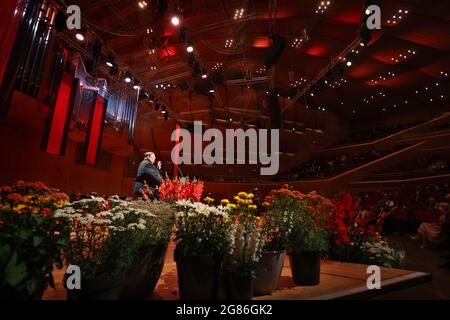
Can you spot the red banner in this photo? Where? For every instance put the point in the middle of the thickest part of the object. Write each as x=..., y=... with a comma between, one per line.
x=10, y=13
x=95, y=130
x=61, y=116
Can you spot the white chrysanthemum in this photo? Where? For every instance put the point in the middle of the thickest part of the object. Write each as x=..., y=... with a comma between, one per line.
x=184, y=203
x=102, y=221
x=179, y=214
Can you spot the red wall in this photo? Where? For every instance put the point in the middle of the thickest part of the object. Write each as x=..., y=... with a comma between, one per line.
x=22, y=159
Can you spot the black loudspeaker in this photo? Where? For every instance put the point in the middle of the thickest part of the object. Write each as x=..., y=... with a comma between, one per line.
x=275, y=51
x=274, y=112
x=60, y=21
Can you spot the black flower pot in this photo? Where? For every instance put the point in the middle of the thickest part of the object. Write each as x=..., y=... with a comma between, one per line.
x=98, y=289
x=267, y=271
x=305, y=268
x=239, y=287
x=198, y=276
x=141, y=280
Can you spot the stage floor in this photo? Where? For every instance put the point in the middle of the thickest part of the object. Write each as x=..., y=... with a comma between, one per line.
x=338, y=281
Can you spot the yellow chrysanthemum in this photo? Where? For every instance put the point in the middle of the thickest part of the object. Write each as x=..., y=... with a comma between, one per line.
x=242, y=195
x=224, y=202
x=252, y=207
x=265, y=204
x=250, y=196
x=208, y=200
x=231, y=206
x=19, y=207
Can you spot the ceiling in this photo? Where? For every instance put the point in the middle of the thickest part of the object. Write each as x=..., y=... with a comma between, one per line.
x=404, y=66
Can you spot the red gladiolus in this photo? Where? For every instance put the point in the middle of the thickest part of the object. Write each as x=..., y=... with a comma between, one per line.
x=45, y=212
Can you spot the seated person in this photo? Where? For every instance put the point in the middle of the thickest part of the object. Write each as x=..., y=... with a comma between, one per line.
x=437, y=232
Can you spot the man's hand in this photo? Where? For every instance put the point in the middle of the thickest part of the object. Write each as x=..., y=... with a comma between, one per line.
x=159, y=165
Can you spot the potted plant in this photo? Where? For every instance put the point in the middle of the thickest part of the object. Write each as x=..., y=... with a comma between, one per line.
x=355, y=232
x=103, y=244
x=276, y=223
x=202, y=237
x=31, y=239
x=308, y=237
x=141, y=280
x=247, y=240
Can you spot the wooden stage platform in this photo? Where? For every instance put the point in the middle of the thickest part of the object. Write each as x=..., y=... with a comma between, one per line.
x=338, y=281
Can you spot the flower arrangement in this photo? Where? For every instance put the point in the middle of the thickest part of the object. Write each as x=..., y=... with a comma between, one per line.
x=31, y=238
x=246, y=244
x=180, y=189
x=201, y=229
x=243, y=203
x=298, y=220
x=105, y=235
x=380, y=253
x=350, y=227
x=160, y=225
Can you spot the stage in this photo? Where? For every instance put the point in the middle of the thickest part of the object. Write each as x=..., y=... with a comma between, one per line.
x=339, y=280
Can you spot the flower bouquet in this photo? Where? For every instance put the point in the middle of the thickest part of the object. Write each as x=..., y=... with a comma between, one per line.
x=202, y=237
x=180, y=189
x=31, y=239
x=247, y=241
x=104, y=240
x=146, y=270
x=308, y=236
x=352, y=229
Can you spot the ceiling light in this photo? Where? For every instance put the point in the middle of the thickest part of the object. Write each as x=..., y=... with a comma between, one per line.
x=79, y=36
x=190, y=48
x=175, y=20
x=142, y=4
x=127, y=78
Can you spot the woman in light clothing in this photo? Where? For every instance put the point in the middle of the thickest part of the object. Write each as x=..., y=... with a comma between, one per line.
x=437, y=232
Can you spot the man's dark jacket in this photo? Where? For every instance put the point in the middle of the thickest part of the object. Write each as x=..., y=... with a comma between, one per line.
x=147, y=172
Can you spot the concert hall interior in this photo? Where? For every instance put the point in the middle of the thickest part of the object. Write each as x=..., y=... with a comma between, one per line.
x=317, y=128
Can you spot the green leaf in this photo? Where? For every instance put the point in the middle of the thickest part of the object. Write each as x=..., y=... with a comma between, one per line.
x=24, y=234
x=37, y=241
x=15, y=272
x=33, y=285
x=5, y=252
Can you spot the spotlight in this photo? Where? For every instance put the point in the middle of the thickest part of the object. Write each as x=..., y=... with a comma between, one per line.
x=190, y=48
x=175, y=20
x=110, y=61
x=151, y=99
x=79, y=36
x=142, y=4
x=136, y=85
x=350, y=56
x=204, y=74
x=128, y=78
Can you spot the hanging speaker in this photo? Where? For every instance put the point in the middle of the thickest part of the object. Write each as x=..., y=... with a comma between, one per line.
x=275, y=51
x=274, y=111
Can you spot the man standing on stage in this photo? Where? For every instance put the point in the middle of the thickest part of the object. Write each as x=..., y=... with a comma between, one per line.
x=148, y=174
